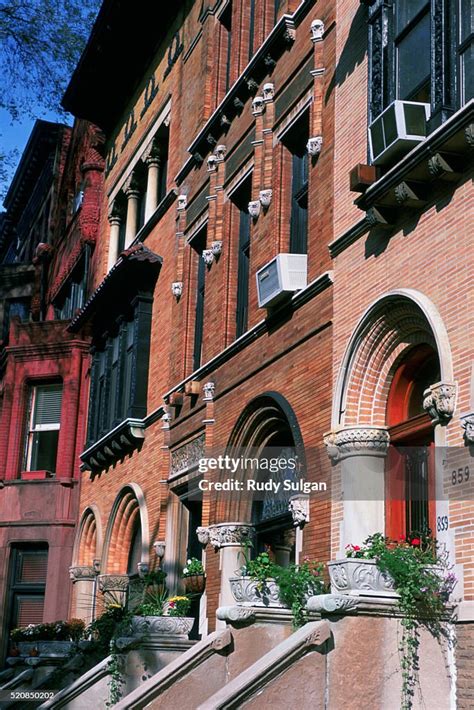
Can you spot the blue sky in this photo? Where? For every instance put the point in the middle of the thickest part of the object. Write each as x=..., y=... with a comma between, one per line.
x=15, y=137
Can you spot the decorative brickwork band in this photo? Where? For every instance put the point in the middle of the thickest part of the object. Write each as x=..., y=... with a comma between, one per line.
x=225, y=534
x=357, y=441
x=439, y=401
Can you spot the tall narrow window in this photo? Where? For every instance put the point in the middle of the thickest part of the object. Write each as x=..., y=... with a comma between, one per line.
x=296, y=142
x=466, y=50
x=241, y=199
x=44, y=421
x=412, y=49
x=226, y=43
x=251, y=28
x=28, y=569
x=199, y=244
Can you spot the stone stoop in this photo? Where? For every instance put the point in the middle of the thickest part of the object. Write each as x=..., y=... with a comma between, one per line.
x=275, y=680
x=140, y=660
x=215, y=661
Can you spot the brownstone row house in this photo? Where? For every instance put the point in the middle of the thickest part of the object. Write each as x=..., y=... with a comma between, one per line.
x=284, y=261
x=47, y=235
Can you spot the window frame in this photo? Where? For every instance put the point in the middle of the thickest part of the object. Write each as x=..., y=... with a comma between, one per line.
x=445, y=77
x=107, y=410
x=33, y=429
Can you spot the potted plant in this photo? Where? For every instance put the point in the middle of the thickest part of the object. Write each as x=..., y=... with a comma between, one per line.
x=54, y=639
x=261, y=582
x=254, y=583
x=159, y=615
x=418, y=573
x=194, y=577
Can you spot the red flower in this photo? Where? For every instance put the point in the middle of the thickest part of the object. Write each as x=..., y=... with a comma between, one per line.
x=416, y=542
x=402, y=538
x=356, y=548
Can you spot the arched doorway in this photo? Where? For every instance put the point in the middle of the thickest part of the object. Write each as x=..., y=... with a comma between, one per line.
x=268, y=431
x=410, y=469
x=394, y=396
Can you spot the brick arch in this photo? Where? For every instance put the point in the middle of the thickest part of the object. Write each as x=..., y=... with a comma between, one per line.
x=262, y=421
x=88, y=543
x=128, y=509
x=395, y=324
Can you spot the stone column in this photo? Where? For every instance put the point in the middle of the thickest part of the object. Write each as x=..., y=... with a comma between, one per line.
x=115, y=221
x=360, y=451
x=230, y=539
x=132, y=193
x=151, y=158
x=84, y=590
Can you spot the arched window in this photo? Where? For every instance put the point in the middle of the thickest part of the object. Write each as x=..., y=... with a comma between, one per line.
x=410, y=484
x=268, y=430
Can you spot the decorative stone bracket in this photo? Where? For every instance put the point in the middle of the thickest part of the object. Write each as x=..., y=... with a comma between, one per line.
x=177, y=289
x=225, y=534
x=299, y=509
x=467, y=423
x=357, y=441
x=314, y=146
x=208, y=389
x=439, y=401
x=113, y=583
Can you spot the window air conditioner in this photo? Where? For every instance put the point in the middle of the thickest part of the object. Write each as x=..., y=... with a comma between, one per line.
x=281, y=277
x=397, y=130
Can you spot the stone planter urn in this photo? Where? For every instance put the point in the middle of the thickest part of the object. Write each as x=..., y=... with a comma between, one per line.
x=194, y=583
x=155, y=628
x=246, y=592
x=360, y=577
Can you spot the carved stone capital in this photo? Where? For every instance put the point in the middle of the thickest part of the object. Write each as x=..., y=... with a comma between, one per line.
x=177, y=289
x=208, y=389
x=467, y=423
x=113, y=582
x=254, y=208
x=115, y=215
x=82, y=573
x=317, y=30
x=439, y=401
x=151, y=154
x=216, y=247
x=268, y=92
x=357, y=441
x=182, y=202
x=314, y=146
x=208, y=256
x=257, y=106
x=166, y=419
x=212, y=164
x=225, y=534
x=130, y=187
x=265, y=197
x=220, y=152
x=331, y=603
x=299, y=509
